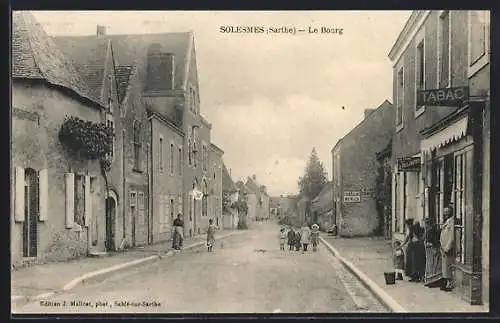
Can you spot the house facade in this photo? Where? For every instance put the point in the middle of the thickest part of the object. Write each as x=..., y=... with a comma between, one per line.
x=165, y=163
x=230, y=195
x=215, y=167
x=57, y=195
x=322, y=208
x=257, y=199
x=440, y=151
x=354, y=172
x=383, y=190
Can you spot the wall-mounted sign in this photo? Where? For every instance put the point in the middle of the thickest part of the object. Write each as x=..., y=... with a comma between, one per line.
x=409, y=164
x=454, y=96
x=351, y=197
x=368, y=192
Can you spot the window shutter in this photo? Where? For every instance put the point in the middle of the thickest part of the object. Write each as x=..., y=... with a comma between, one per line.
x=43, y=197
x=88, y=202
x=19, y=195
x=70, y=199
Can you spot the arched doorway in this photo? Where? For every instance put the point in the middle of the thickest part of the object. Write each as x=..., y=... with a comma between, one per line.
x=111, y=205
x=31, y=205
x=193, y=205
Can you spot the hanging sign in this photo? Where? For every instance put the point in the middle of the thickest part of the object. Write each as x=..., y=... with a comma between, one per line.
x=453, y=96
x=409, y=164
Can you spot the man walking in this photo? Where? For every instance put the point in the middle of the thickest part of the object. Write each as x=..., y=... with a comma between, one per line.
x=178, y=237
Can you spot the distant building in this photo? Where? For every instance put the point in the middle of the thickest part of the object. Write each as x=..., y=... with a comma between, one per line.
x=355, y=172
x=322, y=207
x=257, y=199
x=216, y=170
x=230, y=194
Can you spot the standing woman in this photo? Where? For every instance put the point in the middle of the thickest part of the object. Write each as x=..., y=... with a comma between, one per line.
x=433, y=270
x=447, y=240
x=291, y=238
x=408, y=247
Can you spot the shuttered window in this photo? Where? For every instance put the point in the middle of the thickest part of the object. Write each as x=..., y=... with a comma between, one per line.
x=88, y=202
x=70, y=199
x=43, y=194
x=19, y=195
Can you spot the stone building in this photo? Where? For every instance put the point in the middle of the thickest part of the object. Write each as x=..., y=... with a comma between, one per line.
x=322, y=208
x=215, y=179
x=440, y=151
x=257, y=199
x=231, y=194
x=57, y=195
x=166, y=160
x=355, y=172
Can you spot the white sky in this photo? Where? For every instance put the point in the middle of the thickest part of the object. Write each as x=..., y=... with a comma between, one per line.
x=271, y=98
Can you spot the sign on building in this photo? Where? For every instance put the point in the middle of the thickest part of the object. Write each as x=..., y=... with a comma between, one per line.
x=409, y=164
x=454, y=97
x=351, y=197
x=368, y=192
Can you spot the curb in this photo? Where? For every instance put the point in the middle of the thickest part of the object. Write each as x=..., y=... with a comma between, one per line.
x=378, y=292
x=102, y=273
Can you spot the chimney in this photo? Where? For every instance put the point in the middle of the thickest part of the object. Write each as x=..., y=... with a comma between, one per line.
x=254, y=177
x=101, y=30
x=368, y=111
x=161, y=69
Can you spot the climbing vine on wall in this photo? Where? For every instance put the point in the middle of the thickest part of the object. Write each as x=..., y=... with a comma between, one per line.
x=90, y=140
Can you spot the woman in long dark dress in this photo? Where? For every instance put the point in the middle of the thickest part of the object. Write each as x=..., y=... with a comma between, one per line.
x=433, y=269
x=415, y=252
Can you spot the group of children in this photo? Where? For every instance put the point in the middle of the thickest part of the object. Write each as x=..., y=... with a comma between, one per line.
x=299, y=238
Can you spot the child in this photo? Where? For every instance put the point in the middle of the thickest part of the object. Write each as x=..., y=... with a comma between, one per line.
x=291, y=238
x=282, y=238
x=399, y=260
x=315, y=236
x=298, y=236
x=211, y=235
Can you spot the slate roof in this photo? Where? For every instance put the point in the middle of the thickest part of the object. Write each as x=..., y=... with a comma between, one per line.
x=36, y=56
x=324, y=201
x=131, y=50
x=227, y=182
x=123, y=74
x=88, y=55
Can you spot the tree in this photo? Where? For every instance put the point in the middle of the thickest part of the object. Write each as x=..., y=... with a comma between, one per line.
x=314, y=179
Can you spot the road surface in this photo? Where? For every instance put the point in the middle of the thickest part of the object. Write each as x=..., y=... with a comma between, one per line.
x=246, y=274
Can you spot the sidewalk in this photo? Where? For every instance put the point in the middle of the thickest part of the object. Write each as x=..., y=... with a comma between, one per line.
x=32, y=281
x=373, y=256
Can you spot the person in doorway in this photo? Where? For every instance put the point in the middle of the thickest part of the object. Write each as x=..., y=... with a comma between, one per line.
x=305, y=236
x=211, y=235
x=315, y=236
x=433, y=266
x=178, y=238
x=447, y=240
x=415, y=265
x=291, y=238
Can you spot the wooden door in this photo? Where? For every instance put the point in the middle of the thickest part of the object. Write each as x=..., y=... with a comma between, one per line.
x=30, y=225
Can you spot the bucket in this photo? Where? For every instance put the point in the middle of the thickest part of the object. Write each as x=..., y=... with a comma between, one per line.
x=390, y=278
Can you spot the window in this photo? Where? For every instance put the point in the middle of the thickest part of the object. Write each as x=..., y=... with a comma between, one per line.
x=459, y=205
x=444, y=54
x=190, y=159
x=110, y=123
x=172, y=159
x=478, y=40
x=160, y=154
x=419, y=75
x=438, y=181
x=137, y=145
x=399, y=97
x=172, y=209
x=180, y=161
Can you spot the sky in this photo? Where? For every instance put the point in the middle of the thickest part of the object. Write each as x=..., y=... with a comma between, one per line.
x=271, y=98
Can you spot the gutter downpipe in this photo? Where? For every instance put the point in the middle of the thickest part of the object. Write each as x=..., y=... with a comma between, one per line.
x=150, y=183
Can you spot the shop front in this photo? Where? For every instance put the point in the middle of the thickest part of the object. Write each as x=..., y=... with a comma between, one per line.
x=451, y=155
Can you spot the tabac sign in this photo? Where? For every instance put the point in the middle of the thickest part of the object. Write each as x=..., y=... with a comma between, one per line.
x=409, y=164
x=453, y=96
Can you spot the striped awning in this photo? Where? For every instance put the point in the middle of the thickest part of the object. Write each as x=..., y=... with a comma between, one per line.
x=453, y=132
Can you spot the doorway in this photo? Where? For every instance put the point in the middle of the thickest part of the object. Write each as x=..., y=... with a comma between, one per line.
x=30, y=224
x=133, y=213
x=110, y=220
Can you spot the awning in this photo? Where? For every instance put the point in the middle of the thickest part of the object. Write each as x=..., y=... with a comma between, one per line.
x=453, y=132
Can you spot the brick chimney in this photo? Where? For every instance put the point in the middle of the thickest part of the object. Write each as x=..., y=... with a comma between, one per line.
x=101, y=30
x=160, y=70
x=368, y=111
x=254, y=177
